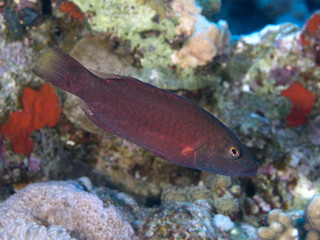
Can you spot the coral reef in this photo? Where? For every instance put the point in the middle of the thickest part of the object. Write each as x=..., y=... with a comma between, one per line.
x=293, y=224
x=222, y=222
x=206, y=42
x=70, y=7
x=280, y=227
x=302, y=102
x=178, y=220
x=66, y=204
x=313, y=217
x=15, y=58
x=226, y=204
x=206, y=39
x=131, y=21
x=20, y=16
x=191, y=221
x=264, y=67
x=216, y=182
x=40, y=109
x=31, y=230
x=264, y=87
x=144, y=174
x=153, y=42
x=218, y=193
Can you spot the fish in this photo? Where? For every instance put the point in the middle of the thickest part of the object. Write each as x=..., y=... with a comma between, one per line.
x=168, y=125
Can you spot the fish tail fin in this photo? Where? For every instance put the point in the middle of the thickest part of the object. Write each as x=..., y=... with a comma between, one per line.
x=58, y=68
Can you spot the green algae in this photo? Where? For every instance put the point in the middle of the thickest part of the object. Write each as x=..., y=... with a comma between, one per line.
x=182, y=78
x=135, y=23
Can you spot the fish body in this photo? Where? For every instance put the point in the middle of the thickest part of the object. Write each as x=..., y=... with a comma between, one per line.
x=168, y=125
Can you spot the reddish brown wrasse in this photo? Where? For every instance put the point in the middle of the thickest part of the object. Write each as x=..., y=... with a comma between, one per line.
x=167, y=125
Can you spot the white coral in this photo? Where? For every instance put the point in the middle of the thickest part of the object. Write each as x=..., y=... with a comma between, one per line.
x=32, y=231
x=65, y=204
x=206, y=39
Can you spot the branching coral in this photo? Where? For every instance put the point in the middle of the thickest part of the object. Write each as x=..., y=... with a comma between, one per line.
x=280, y=227
x=284, y=226
x=40, y=109
x=66, y=204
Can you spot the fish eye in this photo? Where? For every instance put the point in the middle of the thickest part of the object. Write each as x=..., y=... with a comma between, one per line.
x=234, y=152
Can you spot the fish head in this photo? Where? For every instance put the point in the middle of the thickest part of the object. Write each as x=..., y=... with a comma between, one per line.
x=226, y=155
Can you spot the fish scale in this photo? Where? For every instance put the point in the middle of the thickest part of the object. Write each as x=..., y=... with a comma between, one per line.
x=160, y=121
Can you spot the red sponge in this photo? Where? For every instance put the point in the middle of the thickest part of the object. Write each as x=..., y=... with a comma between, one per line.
x=40, y=109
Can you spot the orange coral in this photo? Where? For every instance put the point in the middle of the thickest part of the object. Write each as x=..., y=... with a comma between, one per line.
x=313, y=24
x=40, y=109
x=310, y=37
x=310, y=30
x=70, y=7
x=302, y=101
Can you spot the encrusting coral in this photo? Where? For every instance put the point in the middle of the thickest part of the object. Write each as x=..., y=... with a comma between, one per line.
x=40, y=109
x=206, y=40
x=65, y=204
x=226, y=204
x=218, y=193
x=302, y=101
x=178, y=220
x=131, y=21
x=70, y=7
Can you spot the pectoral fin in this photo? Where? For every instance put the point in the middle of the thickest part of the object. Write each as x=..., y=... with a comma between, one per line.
x=93, y=118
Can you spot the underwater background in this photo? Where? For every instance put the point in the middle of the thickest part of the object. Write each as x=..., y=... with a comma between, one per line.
x=254, y=64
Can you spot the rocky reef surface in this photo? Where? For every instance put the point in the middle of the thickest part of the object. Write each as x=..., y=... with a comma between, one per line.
x=264, y=86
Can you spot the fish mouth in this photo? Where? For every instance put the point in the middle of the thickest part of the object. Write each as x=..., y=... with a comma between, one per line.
x=249, y=171
x=246, y=172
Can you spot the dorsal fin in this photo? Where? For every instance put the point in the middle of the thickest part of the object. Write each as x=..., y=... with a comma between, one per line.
x=105, y=75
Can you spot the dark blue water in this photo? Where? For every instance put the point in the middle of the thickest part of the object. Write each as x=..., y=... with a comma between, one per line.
x=246, y=16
